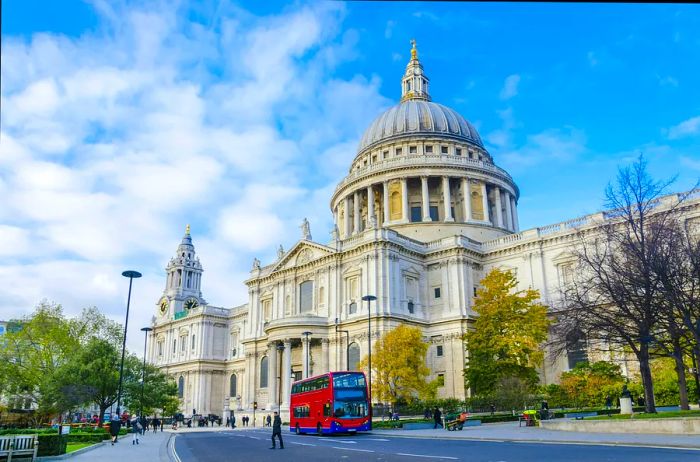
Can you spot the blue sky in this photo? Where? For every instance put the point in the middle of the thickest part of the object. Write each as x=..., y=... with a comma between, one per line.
x=124, y=121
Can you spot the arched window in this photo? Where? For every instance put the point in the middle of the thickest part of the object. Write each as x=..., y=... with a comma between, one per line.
x=181, y=387
x=576, y=348
x=263, y=372
x=306, y=296
x=233, y=391
x=321, y=294
x=353, y=356
x=395, y=206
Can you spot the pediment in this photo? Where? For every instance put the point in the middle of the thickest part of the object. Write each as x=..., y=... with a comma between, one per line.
x=301, y=254
x=563, y=257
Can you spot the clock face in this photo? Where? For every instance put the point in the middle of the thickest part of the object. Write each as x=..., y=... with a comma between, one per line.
x=191, y=303
x=163, y=305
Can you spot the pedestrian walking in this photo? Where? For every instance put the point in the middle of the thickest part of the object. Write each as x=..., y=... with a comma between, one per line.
x=114, y=426
x=269, y=420
x=437, y=417
x=136, y=428
x=608, y=402
x=233, y=420
x=277, y=431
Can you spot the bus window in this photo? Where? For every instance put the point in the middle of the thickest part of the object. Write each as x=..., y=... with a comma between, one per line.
x=327, y=410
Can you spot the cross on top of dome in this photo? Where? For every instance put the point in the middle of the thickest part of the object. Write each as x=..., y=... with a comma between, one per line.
x=414, y=84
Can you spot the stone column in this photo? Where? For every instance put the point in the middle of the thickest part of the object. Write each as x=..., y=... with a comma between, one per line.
x=404, y=199
x=272, y=372
x=356, y=218
x=286, y=372
x=446, y=198
x=466, y=195
x=324, y=356
x=509, y=213
x=426, y=198
x=485, y=200
x=370, y=205
x=304, y=355
x=347, y=225
x=386, y=203
x=516, y=226
x=499, y=212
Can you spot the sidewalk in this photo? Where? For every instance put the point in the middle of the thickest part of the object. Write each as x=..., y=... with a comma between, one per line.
x=509, y=431
x=152, y=447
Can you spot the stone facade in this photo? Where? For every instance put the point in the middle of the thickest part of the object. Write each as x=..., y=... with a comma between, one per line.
x=421, y=217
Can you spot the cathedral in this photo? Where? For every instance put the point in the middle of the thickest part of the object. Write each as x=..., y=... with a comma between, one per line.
x=422, y=215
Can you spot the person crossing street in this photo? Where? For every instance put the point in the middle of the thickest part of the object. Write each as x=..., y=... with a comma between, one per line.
x=277, y=431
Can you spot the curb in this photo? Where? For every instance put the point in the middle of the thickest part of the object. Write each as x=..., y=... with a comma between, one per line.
x=540, y=441
x=69, y=455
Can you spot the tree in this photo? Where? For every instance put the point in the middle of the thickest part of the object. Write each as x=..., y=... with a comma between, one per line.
x=588, y=384
x=507, y=335
x=159, y=389
x=31, y=354
x=614, y=297
x=91, y=376
x=399, y=369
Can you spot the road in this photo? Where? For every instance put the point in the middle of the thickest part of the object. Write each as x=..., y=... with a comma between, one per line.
x=252, y=445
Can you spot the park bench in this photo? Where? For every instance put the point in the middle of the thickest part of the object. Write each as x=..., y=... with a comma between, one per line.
x=529, y=417
x=18, y=446
x=580, y=415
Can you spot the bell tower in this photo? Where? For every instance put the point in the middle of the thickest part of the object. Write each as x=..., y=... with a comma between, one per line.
x=183, y=284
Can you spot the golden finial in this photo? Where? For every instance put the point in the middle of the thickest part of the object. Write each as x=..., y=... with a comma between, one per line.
x=414, y=50
x=187, y=229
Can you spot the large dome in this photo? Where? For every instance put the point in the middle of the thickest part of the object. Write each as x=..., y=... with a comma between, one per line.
x=419, y=117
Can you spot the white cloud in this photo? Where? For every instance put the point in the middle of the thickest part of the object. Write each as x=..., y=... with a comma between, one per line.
x=112, y=141
x=564, y=144
x=592, y=59
x=510, y=87
x=688, y=127
x=389, y=29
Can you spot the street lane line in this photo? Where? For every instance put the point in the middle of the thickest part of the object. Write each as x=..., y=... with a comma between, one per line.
x=351, y=449
x=302, y=444
x=171, y=443
x=345, y=441
x=426, y=456
x=374, y=439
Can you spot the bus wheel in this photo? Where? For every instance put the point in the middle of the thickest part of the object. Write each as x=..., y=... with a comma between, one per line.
x=297, y=431
x=318, y=430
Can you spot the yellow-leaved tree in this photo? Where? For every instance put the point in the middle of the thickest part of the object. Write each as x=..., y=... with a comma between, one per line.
x=505, y=341
x=399, y=372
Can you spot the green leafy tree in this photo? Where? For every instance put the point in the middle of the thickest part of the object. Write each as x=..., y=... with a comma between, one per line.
x=159, y=389
x=588, y=384
x=507, y=335
x=399, y=371
x=90, y=376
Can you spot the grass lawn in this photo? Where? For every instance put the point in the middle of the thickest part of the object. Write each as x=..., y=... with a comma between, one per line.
x=641, y=415
x=75, y=446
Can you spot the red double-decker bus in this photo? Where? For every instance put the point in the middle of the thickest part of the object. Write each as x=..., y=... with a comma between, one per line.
x=335, y=402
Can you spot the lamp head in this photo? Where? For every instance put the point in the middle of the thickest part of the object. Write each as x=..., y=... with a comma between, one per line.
x=131, y=274
x=369, y=298
x=307, y=333
x=337, y=321
x=146, y=329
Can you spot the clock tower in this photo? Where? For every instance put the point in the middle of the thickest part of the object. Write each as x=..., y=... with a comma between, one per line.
x=183, y=285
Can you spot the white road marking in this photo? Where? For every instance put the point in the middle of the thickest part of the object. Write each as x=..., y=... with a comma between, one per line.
x=351, y=449
x=426, y=456
x=345, y=441
x=302, y=444
x=375, y=439
x=253, y=437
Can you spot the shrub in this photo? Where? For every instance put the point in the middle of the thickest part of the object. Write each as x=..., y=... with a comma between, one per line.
x=52, y=445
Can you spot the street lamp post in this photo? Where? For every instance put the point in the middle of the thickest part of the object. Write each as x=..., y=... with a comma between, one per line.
x=131, y=275
x=347, y=343
x=280, y=349
x=369, y=298
x=145, y=330
x=308, y=347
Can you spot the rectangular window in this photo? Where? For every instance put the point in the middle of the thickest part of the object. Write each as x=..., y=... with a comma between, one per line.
x=437, y=292
x=160, y=348
x=428, y=149
x=441, y=380
x=412, y=150
x=385, y=154
x=411, y=306
x=306, y=296
x=374, y=159
x=174, y=346
x=416, y=214
x=475, y=291
x=471, y=154
x=458, y=151
x=439, y=350
x=444, y=149
x=434, y=213
x=193, y=341
x=183, y=342
x=398, y=151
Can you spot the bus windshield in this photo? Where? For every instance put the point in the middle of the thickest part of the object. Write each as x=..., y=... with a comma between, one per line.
x=349, y=396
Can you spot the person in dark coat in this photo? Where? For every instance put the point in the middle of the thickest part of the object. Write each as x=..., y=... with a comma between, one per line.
x=437, y=417
x=269, y=420
x=114, y=426
x=277, y=431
